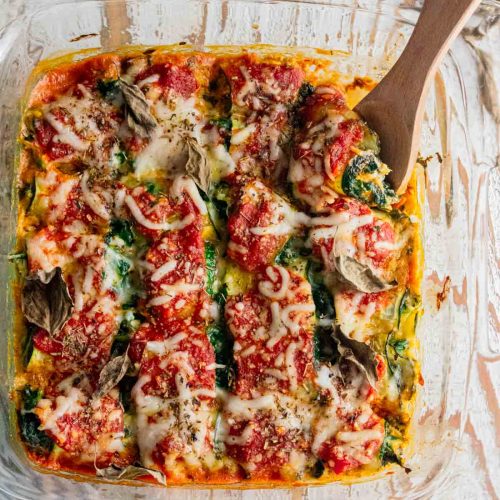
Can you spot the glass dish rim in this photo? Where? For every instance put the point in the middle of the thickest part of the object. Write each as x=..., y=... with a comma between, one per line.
x=56, y=3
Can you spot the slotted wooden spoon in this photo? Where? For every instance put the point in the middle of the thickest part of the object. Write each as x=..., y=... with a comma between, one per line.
x=395, y=107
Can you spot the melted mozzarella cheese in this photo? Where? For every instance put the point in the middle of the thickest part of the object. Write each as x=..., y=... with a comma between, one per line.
x=245, y=408
x=92, y=198
x=183, y=419
x=224, y=163
x=163, y=346
x=284, y=218
x=163, y=270
x=44, y=253
x=354, y=317
x=166, y=151
x=248, y=88
x=82, y=127
x=266, y=288
x=183, y=184
x=334, y=219
x=242, y=439
x=73, y=402
x=59, y=198
x=276, y=329
x=243, y=135
x=170, y=291
x=146, y=81
x=65, y=134
x=359, y=437
x=290, y=323
x=248, y=351
x=275, y=373
x=158, y=226
x=235, y=247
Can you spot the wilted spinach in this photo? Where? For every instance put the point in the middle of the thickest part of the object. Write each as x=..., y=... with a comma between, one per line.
x=354, y=182
x=222, y=343
x=322, y=297
x=36, y=440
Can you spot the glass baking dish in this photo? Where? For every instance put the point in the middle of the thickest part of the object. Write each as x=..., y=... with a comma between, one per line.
x=458, y=139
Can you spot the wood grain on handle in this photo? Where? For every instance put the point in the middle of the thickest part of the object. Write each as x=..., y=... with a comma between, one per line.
x=394, y=109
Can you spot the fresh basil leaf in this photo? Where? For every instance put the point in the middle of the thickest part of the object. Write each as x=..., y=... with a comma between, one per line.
x=130, y=472
x=46, y=301
x=137, y=110
x=111, y=374
x=197, y=166
x=360, y=276
x=359, y=354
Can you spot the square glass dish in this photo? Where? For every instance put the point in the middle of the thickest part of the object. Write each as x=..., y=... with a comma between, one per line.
x=458, y=143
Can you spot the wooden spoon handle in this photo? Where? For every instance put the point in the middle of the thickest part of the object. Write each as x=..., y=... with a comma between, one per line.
x=395, y=107
x=439, y=23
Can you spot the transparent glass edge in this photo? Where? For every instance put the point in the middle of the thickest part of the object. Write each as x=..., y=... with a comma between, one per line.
x=480, y=213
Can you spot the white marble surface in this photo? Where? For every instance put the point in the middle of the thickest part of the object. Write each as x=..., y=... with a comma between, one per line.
x=476, y=471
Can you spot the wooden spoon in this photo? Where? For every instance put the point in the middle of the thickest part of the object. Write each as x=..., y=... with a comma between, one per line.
x=395, y=107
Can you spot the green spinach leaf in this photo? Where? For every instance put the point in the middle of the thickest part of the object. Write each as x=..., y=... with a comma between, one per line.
x=38, y=441
x=400, y=367
x=109, y=89
x=211, y=263
x=387, y=454
x=356, y=181
x=30, y=397
x=122, y=229
x=322, y=297
x=222, y=343
x=325, y=348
